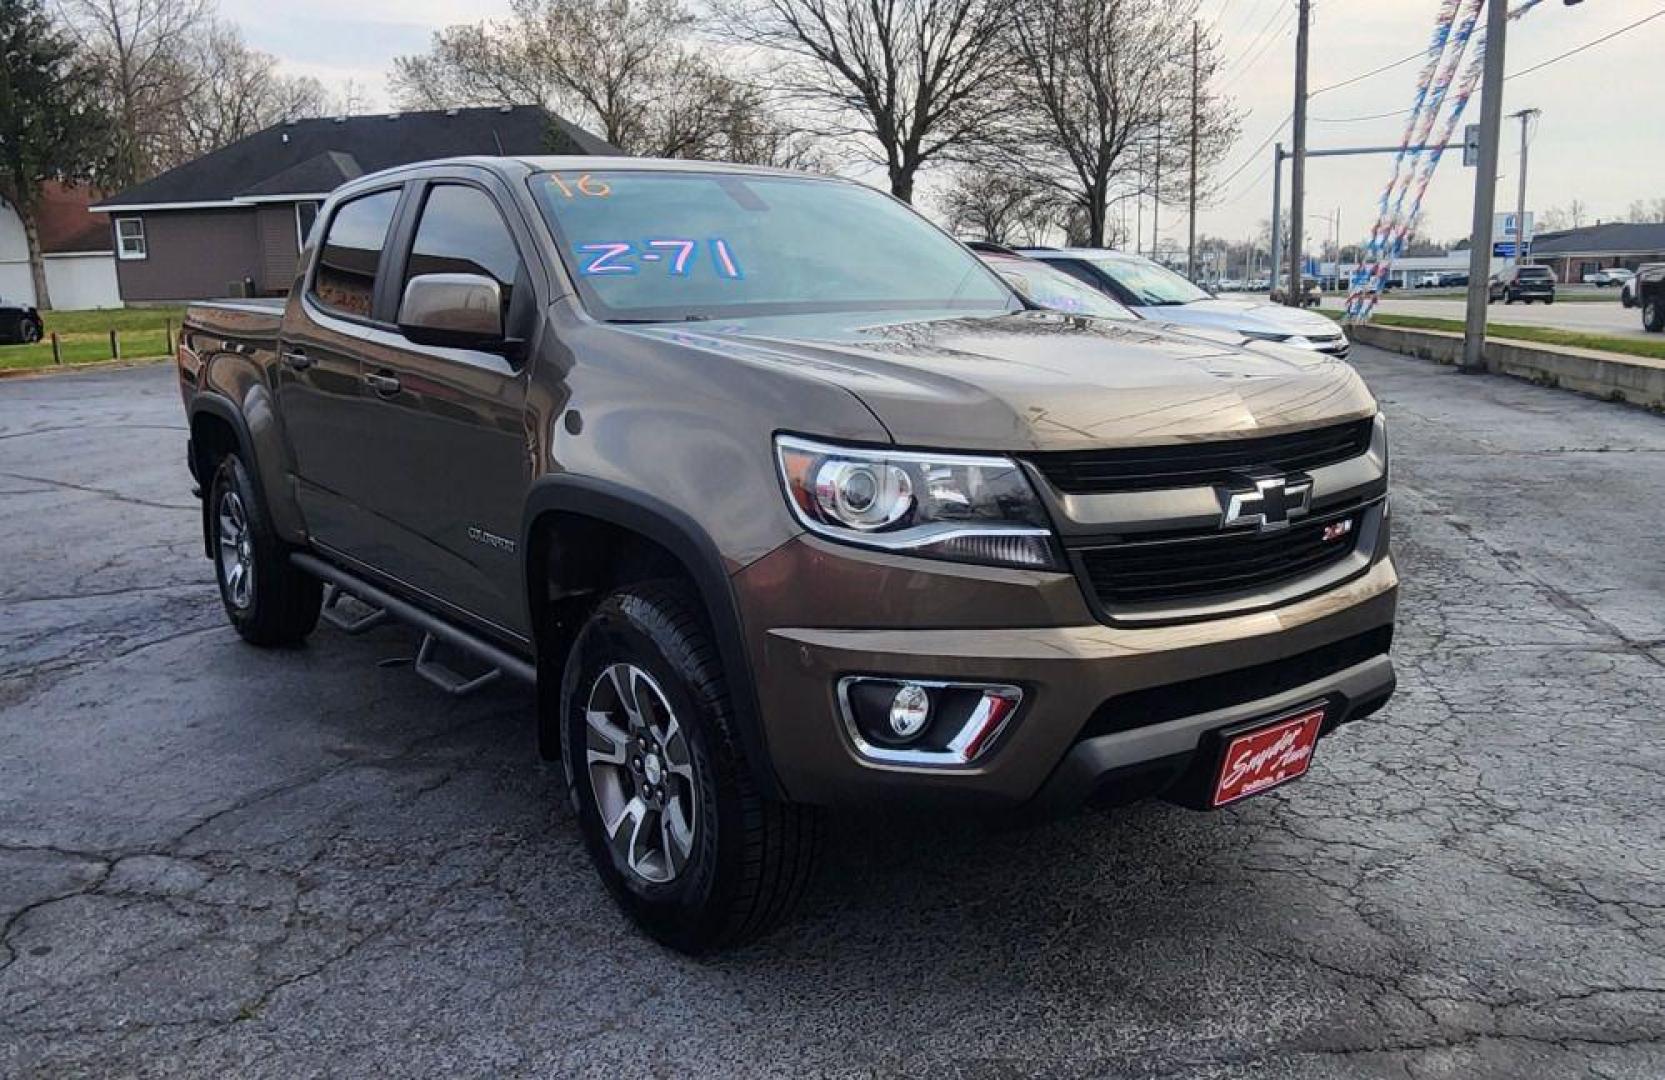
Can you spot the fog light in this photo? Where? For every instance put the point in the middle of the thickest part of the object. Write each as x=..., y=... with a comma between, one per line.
x=909, y=711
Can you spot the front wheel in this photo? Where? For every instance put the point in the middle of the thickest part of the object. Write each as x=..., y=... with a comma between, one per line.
x=670, y=814
x=31, y=331
x=1653, y=315
x=268, y=600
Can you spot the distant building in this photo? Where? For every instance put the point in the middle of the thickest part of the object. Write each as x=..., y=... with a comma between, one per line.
x=1572, y=253
x=80, y=269
x=233, y=222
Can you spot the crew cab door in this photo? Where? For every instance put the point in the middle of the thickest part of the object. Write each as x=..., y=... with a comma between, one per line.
x=445, y=431
x=319, y=381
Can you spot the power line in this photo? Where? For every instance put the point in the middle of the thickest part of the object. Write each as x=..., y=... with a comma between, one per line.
x=1419, y=54
x=1243, y=64
x=1278, y=36
x=1506, y=78
x=1275, y=132
x=1587, y=45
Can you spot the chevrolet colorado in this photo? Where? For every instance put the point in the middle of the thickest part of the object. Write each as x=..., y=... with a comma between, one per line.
x=783, y=501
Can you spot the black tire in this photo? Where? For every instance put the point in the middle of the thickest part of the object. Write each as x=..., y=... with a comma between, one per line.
x=1653, y=315
x=747, y=858
x=30, y=331
x=274, y=603
x=1508, y=298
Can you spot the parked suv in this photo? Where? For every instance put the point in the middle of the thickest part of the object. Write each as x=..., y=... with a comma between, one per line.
x=19, y=323
x=1524, y=283
x=783, y=501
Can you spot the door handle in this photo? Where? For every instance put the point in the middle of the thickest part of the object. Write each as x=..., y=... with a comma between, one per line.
x=385, y=385
x=297, y=359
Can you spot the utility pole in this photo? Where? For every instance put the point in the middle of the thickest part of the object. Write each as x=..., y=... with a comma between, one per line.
x=1191, y=229
x=1525, y=116
x=1298, y=166
x=1156, y=193
x=1485, y=188
x=1277, y=211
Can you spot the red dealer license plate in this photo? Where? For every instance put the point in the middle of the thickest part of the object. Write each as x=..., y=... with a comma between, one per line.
x=1261, y=759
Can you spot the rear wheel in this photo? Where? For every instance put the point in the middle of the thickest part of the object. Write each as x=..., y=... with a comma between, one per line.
x=671, y=817
x=31, y=331
x=1653, y=315
x=268, y=600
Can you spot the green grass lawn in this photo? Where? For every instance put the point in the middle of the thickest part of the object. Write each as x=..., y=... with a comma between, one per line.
x=84, y=336
x=1653, y=348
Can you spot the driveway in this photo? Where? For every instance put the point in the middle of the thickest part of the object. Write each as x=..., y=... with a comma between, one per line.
x=218, y=861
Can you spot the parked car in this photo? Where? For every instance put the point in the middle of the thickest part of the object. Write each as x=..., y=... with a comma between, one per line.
x=1627, y=291
x=1453, y=280
x=779, y=517
x=1613, y=275
x=19, y=323
x=1047, y=287
x=1524, y=283
x=1650, y=294
x=1155, y=292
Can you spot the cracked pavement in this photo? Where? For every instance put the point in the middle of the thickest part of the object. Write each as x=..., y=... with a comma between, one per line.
x=220, y=861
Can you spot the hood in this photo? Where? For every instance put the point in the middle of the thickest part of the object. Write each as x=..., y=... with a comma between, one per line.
x=1036, y=380
x=1242, y=315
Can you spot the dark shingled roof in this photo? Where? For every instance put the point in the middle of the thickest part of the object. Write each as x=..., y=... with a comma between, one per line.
x=310, y=157
x=1612, y=237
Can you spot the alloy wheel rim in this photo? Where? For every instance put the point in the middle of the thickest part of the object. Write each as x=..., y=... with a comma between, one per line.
x=641, y=770
x=236, y=551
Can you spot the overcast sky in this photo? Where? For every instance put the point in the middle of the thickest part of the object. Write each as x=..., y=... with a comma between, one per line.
x=1600, y=138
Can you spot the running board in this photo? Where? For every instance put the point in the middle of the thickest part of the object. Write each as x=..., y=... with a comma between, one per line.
x=349, y=624
x=435, y=630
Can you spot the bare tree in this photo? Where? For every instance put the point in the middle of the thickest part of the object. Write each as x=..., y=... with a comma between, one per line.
x=627, y=68
x=238, y=92
x=143, y=52
x=1104, y=93
x=992, y=204
x=1577, y=212
x=1656, y=209
x=914, y=80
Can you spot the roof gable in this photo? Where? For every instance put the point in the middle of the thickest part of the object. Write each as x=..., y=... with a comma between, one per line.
x=310, y=157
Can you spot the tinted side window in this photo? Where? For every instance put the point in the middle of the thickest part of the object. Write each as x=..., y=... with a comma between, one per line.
x=461, y=232
x=1078, y=270
x=346, y=278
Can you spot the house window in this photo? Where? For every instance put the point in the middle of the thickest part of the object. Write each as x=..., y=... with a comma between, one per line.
x=306, y=215
x=130, y=238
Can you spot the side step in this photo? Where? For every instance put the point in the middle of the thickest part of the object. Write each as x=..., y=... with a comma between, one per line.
x=435, y=631
x=349, y=624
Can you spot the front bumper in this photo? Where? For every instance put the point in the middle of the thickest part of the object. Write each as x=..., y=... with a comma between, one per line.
x=1088, y=687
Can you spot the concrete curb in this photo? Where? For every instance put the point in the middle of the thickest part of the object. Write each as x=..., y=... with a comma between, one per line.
x=1610, y=376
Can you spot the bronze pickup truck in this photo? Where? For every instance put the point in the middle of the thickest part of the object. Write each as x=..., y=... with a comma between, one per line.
x=784, y=501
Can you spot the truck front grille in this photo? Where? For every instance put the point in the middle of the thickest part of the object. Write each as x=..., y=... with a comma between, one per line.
x=1215, y=564
x=1151, y=468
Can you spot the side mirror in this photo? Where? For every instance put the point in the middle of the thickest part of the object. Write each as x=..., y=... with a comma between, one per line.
x=457, y=311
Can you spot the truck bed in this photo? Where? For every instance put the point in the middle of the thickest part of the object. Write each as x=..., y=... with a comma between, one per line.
x=250, y=319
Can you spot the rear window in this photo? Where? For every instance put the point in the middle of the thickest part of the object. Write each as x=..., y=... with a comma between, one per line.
x=1536, y=272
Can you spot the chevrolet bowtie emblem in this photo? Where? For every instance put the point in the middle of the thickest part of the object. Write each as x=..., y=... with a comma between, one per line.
x=1274, y=501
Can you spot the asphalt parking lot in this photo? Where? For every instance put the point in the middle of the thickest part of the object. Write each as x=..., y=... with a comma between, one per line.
x=216, y=861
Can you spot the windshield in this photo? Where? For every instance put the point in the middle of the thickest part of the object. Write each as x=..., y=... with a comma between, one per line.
x=1053, y=289
x=1147, y=282
x=663, y=246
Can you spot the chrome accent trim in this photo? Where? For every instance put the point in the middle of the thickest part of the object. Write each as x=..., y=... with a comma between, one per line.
x=1080, y=516
x=951, y=759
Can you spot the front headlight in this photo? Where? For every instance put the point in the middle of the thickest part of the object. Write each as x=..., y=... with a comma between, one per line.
x=945, y=506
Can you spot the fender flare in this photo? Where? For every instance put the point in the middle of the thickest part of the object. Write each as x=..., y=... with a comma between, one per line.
x=221, y=408
x=688, y=542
